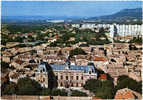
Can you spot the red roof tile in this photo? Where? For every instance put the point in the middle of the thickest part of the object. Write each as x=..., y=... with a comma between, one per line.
x=103, y=77
x=99, y=59
x=19, y=61
x=124, y=94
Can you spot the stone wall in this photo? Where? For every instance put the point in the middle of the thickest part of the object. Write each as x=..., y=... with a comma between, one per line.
x=46, y=98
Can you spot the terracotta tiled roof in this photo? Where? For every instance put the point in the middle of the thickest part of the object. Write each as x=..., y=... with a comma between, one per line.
x=93, y=38
x=103, y=77
x=124, y=94
x=99, y=58
x=107, y=48
x=19, y=61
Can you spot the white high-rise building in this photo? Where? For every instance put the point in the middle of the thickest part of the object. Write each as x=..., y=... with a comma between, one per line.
x=115, y=29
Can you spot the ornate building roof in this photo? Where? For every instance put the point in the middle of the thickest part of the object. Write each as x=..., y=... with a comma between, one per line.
x=86, y=69
x=42, y=67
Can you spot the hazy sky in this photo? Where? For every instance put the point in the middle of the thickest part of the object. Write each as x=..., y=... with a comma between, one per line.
x=65, y=8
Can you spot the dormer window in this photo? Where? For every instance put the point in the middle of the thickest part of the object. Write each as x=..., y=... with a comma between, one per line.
x=92, y=70
x=42, y=68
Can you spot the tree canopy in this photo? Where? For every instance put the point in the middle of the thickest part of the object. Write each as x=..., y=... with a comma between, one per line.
x=4, y=67
x=77, y=51
x=60, y=92
x=136, y=40
x=54, y=92
x=9, y=89
x=126, y=82
x=78, y=93
x=27, y=86
x=102, y=89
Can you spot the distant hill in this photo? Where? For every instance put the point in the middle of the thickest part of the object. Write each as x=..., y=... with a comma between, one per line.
x=34, y=19
x=125, y=14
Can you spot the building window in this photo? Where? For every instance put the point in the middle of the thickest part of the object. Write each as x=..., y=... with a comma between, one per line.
x=81, y=84
x=66, y=77
x=71, y=84
x=61, y=77
x=43, y=79
x=76, y=84
x=61, y=84
x=81, y=77
x=76, y=77
x=92, y=71
x=71, y=77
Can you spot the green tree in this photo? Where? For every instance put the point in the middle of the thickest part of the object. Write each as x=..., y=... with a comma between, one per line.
x=31, y=38
x=78, y=93
x=18, y=39
x=53, y=44
x=92, y=84
x=45, y=92
x=139, y=87
x=102, y=89
x=4, y=67
x=27, y=86
x=105, y=93
x=9, y=89
x=3, y=42
x=136, y=40
x=40, y=36
x=58, y=92
x=126, y=82
x=132, y=47
x=77, y=51
x=21, y=45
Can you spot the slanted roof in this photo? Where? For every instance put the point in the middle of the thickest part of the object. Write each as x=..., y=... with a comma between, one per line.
x=42, y=67
x=124, y=94
x=96, y=58
x=74, y=67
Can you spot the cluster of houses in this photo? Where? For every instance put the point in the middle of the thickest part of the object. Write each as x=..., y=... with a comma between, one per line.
x=114, y=59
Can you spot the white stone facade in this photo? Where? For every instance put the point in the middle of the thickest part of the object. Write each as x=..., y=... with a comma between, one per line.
x=122, y=30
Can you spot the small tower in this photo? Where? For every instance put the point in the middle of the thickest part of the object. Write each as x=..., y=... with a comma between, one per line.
x=67, y=63
x=42, y=75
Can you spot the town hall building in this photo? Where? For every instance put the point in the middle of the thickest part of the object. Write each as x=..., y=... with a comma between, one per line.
x=67, y=75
